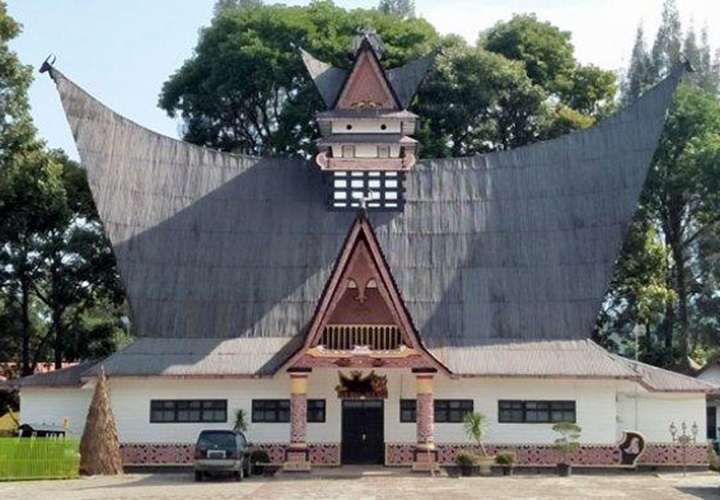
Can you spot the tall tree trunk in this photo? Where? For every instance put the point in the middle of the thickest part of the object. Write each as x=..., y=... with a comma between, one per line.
x=27, y=368
x=58, y=338
x=681, y=289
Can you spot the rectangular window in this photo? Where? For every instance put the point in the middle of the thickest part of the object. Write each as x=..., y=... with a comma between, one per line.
x=188, y=410
x=271, y=410
x=380, y=190
x=316, y=410
x=535, y=412
x=408, y=410
x=348, y=151
x=383, y=151
x=452, y=410
x=446, y=410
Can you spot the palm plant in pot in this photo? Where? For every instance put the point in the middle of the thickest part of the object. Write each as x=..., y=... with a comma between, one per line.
x=476, y=428
x=565, y=445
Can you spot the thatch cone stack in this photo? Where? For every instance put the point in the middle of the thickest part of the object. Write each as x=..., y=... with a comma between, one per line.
x=100, y=447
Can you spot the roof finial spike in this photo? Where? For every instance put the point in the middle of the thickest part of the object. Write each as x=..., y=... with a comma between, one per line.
x=47, y=64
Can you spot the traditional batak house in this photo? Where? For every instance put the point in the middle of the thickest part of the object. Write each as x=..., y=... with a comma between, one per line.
x=357, y=306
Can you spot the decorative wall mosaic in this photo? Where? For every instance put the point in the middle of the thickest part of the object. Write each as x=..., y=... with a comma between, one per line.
x=401, y=454
x=321, y=454
x=539, y=455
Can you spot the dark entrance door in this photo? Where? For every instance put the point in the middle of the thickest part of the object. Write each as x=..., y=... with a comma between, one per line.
x=362, y=431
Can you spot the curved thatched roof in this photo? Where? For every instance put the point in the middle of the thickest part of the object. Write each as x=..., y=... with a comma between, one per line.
x=509, y=245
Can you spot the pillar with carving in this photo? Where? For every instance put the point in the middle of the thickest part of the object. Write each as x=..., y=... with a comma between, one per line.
x=297, y=457
x=425, y=456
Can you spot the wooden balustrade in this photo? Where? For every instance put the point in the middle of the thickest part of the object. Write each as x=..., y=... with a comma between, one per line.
x=376, y=337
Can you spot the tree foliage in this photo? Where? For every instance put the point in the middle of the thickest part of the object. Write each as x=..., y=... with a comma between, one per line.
x=56, y=266
x=401, y=8
x=668, y=275
x=246, y=89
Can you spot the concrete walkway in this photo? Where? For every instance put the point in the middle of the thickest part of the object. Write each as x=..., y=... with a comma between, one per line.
x=373, y=485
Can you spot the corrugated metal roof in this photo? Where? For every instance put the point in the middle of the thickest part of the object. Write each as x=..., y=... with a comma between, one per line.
x=217, y=357
x=661, y=380
x=65, y=377
x=523, y=358
x=366, y=138
x=508, y=245
x=365, y=114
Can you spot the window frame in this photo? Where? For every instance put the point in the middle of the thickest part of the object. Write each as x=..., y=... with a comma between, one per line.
x=175, y=407
x=408, y=410
x=316, y=415
x=280, y=407
x=531, y=411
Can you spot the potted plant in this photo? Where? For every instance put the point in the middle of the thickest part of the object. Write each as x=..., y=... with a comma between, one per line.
x=260, y=460
x=465, y=461
x=240, y=424
x=476, y=427
x=506, y=459
x=565, y=445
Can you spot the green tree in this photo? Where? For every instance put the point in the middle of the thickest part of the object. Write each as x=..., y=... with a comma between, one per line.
x=666, y=49
x=475, y=101
x=639, y=75
x=402, y=8
x=53, y=256
x=246, y=89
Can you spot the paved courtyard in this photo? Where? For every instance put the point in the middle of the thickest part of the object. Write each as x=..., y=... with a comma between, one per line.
x=378, y=485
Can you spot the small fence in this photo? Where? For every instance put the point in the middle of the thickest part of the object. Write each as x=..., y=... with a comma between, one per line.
x=38, y=458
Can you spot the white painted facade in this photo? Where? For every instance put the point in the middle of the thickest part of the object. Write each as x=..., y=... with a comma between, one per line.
x=653, y=413
x=604, y=407
x=372, y=126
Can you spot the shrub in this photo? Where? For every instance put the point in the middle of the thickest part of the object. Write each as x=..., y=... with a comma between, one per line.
x=505, y=458
x=259, y=457
x=713, y=458
x=568, y=440
x=465, y=459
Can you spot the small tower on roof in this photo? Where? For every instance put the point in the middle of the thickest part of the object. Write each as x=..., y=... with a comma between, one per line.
x=366, y=146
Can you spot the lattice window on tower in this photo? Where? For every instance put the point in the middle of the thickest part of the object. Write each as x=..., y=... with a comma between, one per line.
x=380, y=190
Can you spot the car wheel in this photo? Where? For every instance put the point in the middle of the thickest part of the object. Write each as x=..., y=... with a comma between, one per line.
x=238, y=475
x=198, y=476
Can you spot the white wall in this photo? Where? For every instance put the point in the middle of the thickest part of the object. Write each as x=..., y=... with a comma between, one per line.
x=604, y=408
x=651, y=413
x=365, y=126
x=54, y=405
x=131, y=404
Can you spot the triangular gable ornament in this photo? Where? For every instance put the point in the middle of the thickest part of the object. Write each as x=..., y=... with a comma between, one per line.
x=361, y=319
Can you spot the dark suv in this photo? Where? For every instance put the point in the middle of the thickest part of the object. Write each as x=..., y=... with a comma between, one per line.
x=222, y=452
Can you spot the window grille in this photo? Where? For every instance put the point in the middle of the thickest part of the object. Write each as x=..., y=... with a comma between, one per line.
x=381, y=190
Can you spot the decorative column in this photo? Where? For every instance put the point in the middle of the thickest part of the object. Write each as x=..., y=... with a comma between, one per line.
x=297, y=456
x=425, y=456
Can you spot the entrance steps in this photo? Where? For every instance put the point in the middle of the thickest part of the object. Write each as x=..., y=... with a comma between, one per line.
x=354, y=472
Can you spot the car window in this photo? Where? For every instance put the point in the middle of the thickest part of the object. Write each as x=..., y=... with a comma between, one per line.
x=223, y=440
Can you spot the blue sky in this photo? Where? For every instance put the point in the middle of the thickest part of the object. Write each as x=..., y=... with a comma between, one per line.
x=123, y=51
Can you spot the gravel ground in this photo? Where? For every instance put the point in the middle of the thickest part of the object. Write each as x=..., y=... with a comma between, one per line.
x=370, y=485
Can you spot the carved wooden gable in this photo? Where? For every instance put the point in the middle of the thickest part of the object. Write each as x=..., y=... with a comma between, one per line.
x=367, y=87
x=361, y=313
